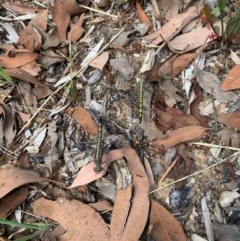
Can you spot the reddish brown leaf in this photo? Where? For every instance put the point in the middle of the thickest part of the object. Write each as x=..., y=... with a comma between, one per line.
x=76, y=30
x=12, y=200
x=232, y=120
x=192, y=40
x=87, y=173
x=170, y=68
x=62, y=12
x=30, y=37
x=123, y=224
x=100, y=61
x=17, y=61
x=232, y=81
x=80, y=221
x=102, y=205
x=12, y=177
x=177, y=136
x=165, y=225
x=173, y=27
x=21, y=74
x=84, y=119
x=143, y=17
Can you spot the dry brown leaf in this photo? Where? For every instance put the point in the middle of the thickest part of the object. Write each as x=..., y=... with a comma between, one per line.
x=177, y=136
x=175, y=118
x=232, y=120
x=84, y=119
x=123, y=66
x=48, y=58
x=9, y=202
x=21, y=74
x=12, y=177
x=165, y=225
x=232, y=81
x=192, y=40
x=80, y=221
x=42, y=91
x=27, y=94
x=100, y=61
x=173, y=27
x=32, y=68
x=170, y=68
x=194, y=109
x=62, y=12
x=17, y=61
x=121, y=210
x=76, y=30
x=211, y=85
x=30, y=38
x=9, y=125
x=143, y=17
x=102, y=205
x=123, y=224
x=20, y=9
x=87, y=173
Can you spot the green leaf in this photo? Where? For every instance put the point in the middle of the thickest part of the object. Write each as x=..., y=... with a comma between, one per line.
x=233, y=25
x=222, y=4
x=37, y=226
x=4, y=76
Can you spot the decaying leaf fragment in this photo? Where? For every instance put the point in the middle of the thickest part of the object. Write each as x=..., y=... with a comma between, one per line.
x=232, y=81
x=179, y=135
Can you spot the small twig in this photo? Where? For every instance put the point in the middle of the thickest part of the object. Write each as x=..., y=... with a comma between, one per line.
x=194, y=174
x=168, y=170
x=99, y=11
x=218, y=146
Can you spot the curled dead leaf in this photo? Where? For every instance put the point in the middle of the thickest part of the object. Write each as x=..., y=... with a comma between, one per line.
x=179, y=135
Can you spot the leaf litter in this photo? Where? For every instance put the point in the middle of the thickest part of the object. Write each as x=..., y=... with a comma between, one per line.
x=109, y=105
